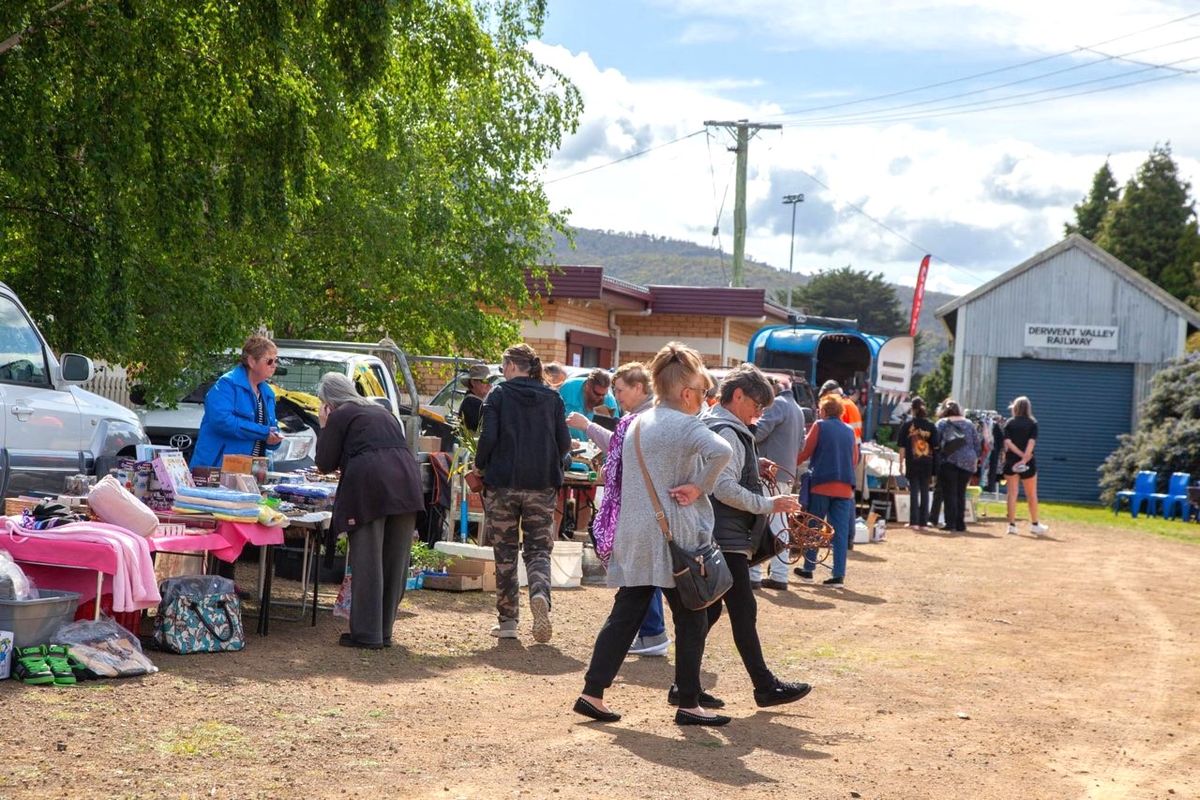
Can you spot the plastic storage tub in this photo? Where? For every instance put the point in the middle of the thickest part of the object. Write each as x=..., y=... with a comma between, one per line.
x=566, y=561
x=35, y=621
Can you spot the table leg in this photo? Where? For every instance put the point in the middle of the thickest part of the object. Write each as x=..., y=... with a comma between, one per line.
x=264, y=601
x=316, y=571
x=99, y=593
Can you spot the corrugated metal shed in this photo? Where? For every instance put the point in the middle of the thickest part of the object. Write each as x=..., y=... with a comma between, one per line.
x=1127, y=329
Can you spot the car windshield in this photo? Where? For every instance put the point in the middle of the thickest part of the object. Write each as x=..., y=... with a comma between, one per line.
x=293, y=374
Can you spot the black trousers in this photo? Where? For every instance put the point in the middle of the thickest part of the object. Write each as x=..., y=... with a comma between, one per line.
x=612, y=643
x=743, y=619
x=918, y=494
x=954, y=494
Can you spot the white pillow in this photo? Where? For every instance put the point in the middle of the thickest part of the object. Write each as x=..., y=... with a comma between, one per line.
x=113, y=504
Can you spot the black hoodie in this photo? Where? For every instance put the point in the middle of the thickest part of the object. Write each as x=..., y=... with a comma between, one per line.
x=523, y=436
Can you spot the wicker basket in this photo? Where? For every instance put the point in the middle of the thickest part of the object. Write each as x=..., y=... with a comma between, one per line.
x=14, y=506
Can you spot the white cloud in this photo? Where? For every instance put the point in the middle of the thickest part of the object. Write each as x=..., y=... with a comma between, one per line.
x=982, y=191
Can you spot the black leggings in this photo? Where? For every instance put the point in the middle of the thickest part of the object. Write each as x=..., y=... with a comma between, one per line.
x=612, y=643
x=743, y=618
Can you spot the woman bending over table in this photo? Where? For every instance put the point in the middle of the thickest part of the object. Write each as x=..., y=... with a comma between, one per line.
x=377, y=503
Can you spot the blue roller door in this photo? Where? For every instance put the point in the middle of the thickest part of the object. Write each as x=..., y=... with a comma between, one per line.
x=1081, y=408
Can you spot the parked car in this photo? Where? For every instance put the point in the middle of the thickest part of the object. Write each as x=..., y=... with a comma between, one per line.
x=299, y=371
x=50, y=428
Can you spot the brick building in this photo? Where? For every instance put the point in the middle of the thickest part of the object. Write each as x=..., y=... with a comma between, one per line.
x=590, y=319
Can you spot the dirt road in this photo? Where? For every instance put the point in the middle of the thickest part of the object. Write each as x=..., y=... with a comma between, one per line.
x=981, y=666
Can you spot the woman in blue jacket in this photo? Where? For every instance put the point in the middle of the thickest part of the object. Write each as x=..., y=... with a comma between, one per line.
x=239, y=409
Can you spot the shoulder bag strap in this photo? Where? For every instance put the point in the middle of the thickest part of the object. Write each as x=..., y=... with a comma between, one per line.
x=659, y=514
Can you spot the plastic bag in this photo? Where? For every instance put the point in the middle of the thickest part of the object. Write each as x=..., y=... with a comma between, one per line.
x=341, y=608
x=22, y=584
x=194, y=586
x=105, y=648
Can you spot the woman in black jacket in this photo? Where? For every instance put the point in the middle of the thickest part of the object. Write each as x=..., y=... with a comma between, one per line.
x=522, y=442
x=377, y=503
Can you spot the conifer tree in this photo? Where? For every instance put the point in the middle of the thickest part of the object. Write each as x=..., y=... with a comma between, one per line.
x=1090, y=213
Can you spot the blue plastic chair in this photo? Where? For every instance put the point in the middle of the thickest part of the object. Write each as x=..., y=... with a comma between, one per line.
x=1176, y=500
x=1143, y=486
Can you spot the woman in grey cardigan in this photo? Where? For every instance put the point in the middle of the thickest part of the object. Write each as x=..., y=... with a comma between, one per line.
x=684, y=459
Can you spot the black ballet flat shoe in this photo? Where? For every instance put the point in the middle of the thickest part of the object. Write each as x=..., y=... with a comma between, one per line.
x=706, y=699
x=591, y=712
x=346, y=640
x=686, y=718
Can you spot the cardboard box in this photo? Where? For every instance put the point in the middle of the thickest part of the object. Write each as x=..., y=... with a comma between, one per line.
x=489, y=582
x=242, y=464
x=429, y=444
x=454, y=583
x=473, y=567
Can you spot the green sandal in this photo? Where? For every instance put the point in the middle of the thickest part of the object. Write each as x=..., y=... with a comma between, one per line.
x=58, y=658
x=30, y=667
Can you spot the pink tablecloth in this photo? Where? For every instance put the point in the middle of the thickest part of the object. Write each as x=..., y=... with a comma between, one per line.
x=54, y=557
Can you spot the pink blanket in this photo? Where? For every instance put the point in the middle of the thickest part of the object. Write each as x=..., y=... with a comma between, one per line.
x=123, y=557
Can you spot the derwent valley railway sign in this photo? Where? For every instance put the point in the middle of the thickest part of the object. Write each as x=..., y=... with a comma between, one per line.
x=1079, y=337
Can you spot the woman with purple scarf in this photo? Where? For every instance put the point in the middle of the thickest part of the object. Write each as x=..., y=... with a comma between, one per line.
x=631, y=386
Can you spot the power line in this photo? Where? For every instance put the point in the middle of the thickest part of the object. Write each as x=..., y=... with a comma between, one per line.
x=984, y=74
x=625, y=158
x=998, y=104
x=985, y=90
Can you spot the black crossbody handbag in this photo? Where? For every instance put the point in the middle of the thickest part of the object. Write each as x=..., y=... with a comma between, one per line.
x=701, y=577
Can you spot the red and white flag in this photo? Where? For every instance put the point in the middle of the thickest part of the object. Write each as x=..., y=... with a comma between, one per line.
x=918, y=296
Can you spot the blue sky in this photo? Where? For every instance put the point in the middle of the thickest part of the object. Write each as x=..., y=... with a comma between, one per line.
x=982, y=190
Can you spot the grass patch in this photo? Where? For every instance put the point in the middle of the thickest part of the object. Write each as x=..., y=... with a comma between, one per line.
x=204, y=739
x=1102, y=517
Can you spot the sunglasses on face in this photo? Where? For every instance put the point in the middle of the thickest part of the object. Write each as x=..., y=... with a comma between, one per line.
x=272, y=361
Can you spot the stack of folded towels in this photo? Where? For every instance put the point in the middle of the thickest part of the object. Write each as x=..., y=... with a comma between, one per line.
x=223, y=504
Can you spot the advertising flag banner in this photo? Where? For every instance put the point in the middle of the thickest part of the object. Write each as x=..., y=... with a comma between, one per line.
x=918, y=296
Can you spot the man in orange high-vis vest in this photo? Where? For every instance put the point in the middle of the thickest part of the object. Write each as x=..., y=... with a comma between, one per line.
x=850, y=413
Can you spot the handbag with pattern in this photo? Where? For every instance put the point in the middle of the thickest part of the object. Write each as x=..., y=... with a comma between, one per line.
x=199, y=614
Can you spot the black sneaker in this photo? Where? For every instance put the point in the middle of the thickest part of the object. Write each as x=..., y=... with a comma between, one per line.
x=756, y=584
x=834, y=583
x=706, y=699
x=805, y=575
x=771, y=583
x=781, y=693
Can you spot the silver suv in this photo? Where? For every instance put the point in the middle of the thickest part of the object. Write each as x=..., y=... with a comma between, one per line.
x=49, y=427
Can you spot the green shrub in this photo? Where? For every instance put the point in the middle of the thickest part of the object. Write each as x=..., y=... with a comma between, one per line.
x=1167, y=438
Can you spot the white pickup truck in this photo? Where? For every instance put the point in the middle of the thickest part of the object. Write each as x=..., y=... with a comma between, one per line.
x=302, y=363
x=50, y=428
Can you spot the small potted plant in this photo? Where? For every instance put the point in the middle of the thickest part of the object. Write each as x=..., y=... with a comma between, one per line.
x=422, y=561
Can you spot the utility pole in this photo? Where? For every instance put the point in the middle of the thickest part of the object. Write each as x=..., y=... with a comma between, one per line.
x=793, y=200
x=742, y=130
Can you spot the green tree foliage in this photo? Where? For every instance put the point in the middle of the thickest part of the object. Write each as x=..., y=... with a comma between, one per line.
x=937, y=385
x=1167, y=438
x=174, y=173
x=854, y=294
x=1090, y=213
x=1152, y=228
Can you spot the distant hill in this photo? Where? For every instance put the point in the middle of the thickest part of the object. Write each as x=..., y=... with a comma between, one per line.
x=646, y=259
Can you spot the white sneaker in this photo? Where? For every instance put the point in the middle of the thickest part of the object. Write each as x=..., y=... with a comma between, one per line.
x=542, y=629
x=650, y=645
x=505, y=630
x=1038, y=529
x=1012, y=529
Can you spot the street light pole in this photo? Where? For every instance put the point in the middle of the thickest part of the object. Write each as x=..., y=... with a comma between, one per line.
x=793, y=200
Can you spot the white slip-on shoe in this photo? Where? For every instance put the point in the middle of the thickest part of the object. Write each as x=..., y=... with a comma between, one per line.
x=1038, y=529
